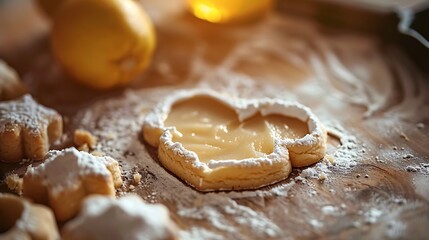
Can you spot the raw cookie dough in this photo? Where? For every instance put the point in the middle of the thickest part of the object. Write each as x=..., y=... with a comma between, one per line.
x=67, y=177
x=20, y=219
x=125, y=218
x=10, y=85
x=27, y=129
x=215, y=142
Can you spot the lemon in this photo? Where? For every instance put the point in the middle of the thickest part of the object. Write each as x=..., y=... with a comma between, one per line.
x=103, y=43
x=224, y=11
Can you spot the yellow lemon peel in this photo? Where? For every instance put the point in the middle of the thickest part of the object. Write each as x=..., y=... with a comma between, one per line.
x=103, y=43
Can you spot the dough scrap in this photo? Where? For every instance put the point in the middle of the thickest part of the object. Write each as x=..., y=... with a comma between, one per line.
x=14, y=183
x=27, y=129
x=235, y=174
x=83, y=137
x=126, y=218
x=10, y=85
x=66, y=177
x=20, y=219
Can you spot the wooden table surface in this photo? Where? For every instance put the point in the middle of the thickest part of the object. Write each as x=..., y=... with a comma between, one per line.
x=369, y=94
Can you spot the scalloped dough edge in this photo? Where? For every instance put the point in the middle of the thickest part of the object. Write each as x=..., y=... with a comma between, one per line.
x=235, y=174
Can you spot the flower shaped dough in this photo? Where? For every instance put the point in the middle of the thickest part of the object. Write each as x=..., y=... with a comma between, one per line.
x=218, y=143
x=27, y=129
x=66, y=177
x=125, y=218
x=20, y=219
x=10, y=85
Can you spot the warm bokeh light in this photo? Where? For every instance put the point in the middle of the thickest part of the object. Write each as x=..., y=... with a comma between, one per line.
x=223, y=11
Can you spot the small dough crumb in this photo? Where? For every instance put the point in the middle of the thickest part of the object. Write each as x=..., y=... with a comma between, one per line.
x=83, y=148
x=82, y=138
x=137, y=177
x=330, y=158
x=14, y=183
x=322, y=176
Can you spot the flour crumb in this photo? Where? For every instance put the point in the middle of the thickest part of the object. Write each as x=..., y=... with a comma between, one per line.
x=137, y=177
x=422, y=168
x=408, y=156
x=420, y=125
x=309, y=173
x=316, y=223
x=300, y=179
x=400, y=201
x=372, y=215
x=329, y=210
x=404, y=136
x=312, y=193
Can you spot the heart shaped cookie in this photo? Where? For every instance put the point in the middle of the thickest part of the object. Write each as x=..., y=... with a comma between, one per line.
x=216, y=142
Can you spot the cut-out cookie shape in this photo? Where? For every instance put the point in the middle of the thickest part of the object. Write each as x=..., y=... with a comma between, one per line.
x=66, y=177
x=20, y=219
x=125, y=218
x=217, y=143
x=10, y=85
x=27, y=129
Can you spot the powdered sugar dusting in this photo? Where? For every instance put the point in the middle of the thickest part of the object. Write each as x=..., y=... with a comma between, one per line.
x=125, y=218
x=25, y=112
x=63, y=169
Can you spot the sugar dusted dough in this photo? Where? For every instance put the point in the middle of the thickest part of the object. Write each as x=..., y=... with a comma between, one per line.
x=129, y=217
x=261, y=168
x=20, y=219
x=67, y=177
x=27, y=129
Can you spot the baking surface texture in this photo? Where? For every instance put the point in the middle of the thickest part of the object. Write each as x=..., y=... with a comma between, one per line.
x=369, y=95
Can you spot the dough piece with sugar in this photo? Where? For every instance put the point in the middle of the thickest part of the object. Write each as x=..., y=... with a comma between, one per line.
x=125, y=218
x=20, y=219
x=66, y=177
x=216, y=142
x=10, y=85
x=27, y=129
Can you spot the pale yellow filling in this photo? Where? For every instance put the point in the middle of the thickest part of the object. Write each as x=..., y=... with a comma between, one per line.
x=214, y=132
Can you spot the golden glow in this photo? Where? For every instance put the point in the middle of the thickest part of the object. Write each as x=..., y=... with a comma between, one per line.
x=207, y=13
x=222, y=11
